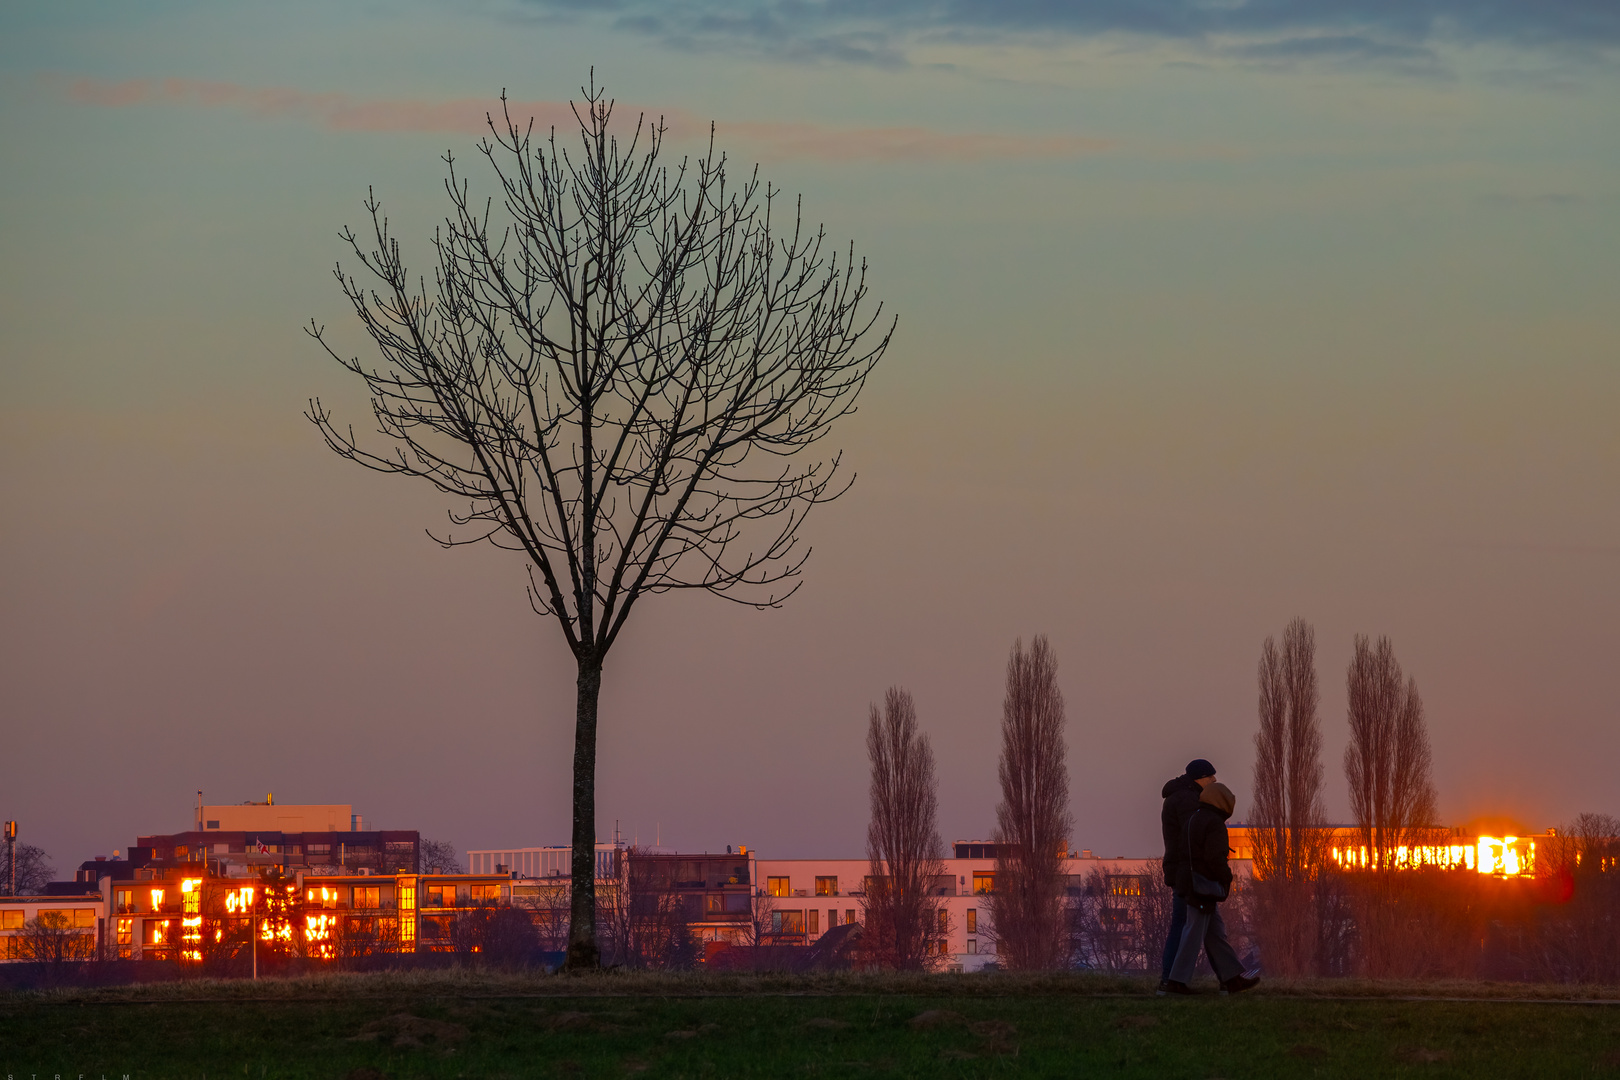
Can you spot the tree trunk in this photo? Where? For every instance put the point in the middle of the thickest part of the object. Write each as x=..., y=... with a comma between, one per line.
x=583, y=954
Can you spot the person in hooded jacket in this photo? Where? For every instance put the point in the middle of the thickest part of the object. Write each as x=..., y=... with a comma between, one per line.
x=1205, y=880
x=1180, y=800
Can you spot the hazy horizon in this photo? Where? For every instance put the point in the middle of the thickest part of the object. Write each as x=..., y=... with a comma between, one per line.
x=1207, y=321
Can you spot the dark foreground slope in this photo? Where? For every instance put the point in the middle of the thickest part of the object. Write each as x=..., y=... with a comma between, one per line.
x=468, y=1025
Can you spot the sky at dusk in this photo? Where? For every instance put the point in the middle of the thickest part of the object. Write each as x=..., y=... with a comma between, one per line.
x=1210, y=316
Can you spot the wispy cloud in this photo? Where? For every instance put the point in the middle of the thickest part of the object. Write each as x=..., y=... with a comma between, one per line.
x=341, y=112
x=907, y=143
x=1379, y=33
x=336, y=112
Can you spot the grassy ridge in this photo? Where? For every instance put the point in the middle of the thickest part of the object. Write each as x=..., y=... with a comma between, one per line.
x=468, y=1024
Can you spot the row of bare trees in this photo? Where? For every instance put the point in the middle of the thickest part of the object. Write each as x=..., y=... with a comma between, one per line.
x=906, y=922
x=1306, y=922
x=1373, y=915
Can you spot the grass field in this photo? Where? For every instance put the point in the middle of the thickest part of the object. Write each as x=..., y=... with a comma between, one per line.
x=471, y=1025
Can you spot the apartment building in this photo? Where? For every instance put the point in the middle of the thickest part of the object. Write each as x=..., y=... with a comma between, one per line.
x=250, y=852
x=808, y=897
x=81, y=919
x=186, y=911
x=1456, y=848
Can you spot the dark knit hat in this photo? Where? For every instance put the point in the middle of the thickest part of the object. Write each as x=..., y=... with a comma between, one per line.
x=1198, y=768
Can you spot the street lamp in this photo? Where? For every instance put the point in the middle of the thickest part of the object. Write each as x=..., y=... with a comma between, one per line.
x=11, y=852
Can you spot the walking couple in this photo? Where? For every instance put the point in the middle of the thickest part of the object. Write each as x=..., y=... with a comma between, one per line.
x=1196, y=807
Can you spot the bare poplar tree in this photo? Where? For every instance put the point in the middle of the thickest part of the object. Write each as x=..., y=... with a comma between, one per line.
x=1032, y=820
x=622, y=370
x=1388, y=760
x=902, y=839
x=1288, y=819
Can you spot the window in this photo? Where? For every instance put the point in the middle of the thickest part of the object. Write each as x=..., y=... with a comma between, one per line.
x=827, y=886
x=84, y=917
x=213, y=824
x=126, y=899
x=778, y=886
x=1124, y=885
x=944, y=921
x=157, y=899
x=435, y=896
x=487, y=894
x=973, y=920
x=126, y=929
x=367, y=897
x=154, y=932
x=984, y=881
x=319, y=849
x=973, y=946
x=787, y=922
x=714, y=904
x=849, y=916
x=814, y=916
x=11, y=920
x=407, y=917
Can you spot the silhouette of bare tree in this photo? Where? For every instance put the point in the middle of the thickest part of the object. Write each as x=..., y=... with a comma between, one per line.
x=620, y=369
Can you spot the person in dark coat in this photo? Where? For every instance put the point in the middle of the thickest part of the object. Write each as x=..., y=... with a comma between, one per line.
x=1180, y=800
x=1205, y=879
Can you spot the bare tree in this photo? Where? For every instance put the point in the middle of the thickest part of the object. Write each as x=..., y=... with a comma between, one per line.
x=1288, y=820
x=546, y=904
x=51, y=937
x=760, y=935
x=1118, y=922
x=1578, y=939
x=646, y=922
x=902, y=839
x=438, y=857
x=618, y=371
x=1032, y=820
x=33, y=871
x=359, y=941
x=494, y=935
x=1388, y=760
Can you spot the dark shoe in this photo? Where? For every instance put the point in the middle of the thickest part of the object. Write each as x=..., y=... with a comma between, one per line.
x=1239, y=983
x=1170, y=986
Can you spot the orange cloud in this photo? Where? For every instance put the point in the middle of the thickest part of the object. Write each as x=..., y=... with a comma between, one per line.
x=340, y=112
x=337, y=112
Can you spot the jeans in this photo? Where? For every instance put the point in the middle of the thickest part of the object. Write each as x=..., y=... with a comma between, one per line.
x=1209, y=932
x=1178, y=924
